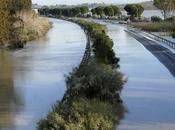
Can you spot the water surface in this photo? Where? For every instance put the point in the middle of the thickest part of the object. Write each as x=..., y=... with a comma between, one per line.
x=32, y=79
x=149, y=92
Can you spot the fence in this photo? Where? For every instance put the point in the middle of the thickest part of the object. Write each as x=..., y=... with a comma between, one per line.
x=153, y=36
x=163, y=40
x=87, y=52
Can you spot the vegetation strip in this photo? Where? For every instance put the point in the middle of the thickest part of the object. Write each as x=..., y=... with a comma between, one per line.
x=92, y=100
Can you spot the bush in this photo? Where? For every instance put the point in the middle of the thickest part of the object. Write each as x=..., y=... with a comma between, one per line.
x=134, y=10
x=102, y=44
x=156, y=19
x=95, y=81
x=173, y=35
x=83, y=114
x=171, y=19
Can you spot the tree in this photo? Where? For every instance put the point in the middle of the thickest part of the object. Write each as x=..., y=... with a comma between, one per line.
x=140, y=10
x=99, y=10
x=116, y=10
x=75, y=11
x=84, y=9
x=134, y=10
x=167, y=7
x=93, y=11
x=108, y=11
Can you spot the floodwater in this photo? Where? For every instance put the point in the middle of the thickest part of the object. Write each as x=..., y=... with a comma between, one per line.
x=149, y=94
x=32, y=79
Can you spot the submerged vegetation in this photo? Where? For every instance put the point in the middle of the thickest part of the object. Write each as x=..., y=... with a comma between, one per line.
x=19, y=24
x=92, y=100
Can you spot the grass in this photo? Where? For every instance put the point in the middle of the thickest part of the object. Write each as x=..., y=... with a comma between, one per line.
x=34, y=26
x=155, y=27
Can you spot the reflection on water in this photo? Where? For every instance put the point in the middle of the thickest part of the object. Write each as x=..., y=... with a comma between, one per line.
x=32, y=79
x=10, y=100
x=149, y=92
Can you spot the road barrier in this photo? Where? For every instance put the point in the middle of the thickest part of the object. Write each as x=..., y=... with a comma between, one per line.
x=87, y=52
x=153, y=36
x=163, y=40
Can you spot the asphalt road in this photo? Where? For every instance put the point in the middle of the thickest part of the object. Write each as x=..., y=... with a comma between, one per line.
x=164, y=55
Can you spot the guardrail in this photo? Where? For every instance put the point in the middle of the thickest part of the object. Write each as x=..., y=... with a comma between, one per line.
x=87, y=52
x=158, y=38
x=155, y=37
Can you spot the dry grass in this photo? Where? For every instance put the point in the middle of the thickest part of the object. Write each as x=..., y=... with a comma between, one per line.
x=155, y=27
x=34, y=25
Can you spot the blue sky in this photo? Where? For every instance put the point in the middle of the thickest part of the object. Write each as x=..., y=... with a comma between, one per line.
x=73, y=2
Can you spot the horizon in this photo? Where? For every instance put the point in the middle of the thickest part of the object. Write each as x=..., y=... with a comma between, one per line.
x=76, y=2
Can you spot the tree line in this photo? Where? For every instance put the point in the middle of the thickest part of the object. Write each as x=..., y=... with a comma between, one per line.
x=134, y=10
x=71, y=12
x=107, y=10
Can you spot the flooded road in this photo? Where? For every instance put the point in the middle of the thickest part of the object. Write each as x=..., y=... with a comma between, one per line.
x=32, y=79
x=149, y=94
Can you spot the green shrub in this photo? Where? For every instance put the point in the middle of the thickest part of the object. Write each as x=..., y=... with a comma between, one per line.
x=84, y=114
x=95, y=81
x=102, y=44
x=173, y=35
x=156, y=19
x=171, y=19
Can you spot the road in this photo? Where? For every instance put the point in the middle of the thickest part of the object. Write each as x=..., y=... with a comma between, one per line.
x=164, y=55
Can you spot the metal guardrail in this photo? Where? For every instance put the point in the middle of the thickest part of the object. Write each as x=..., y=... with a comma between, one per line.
x=155, y=37
x=158, y=38
x=87, y=52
